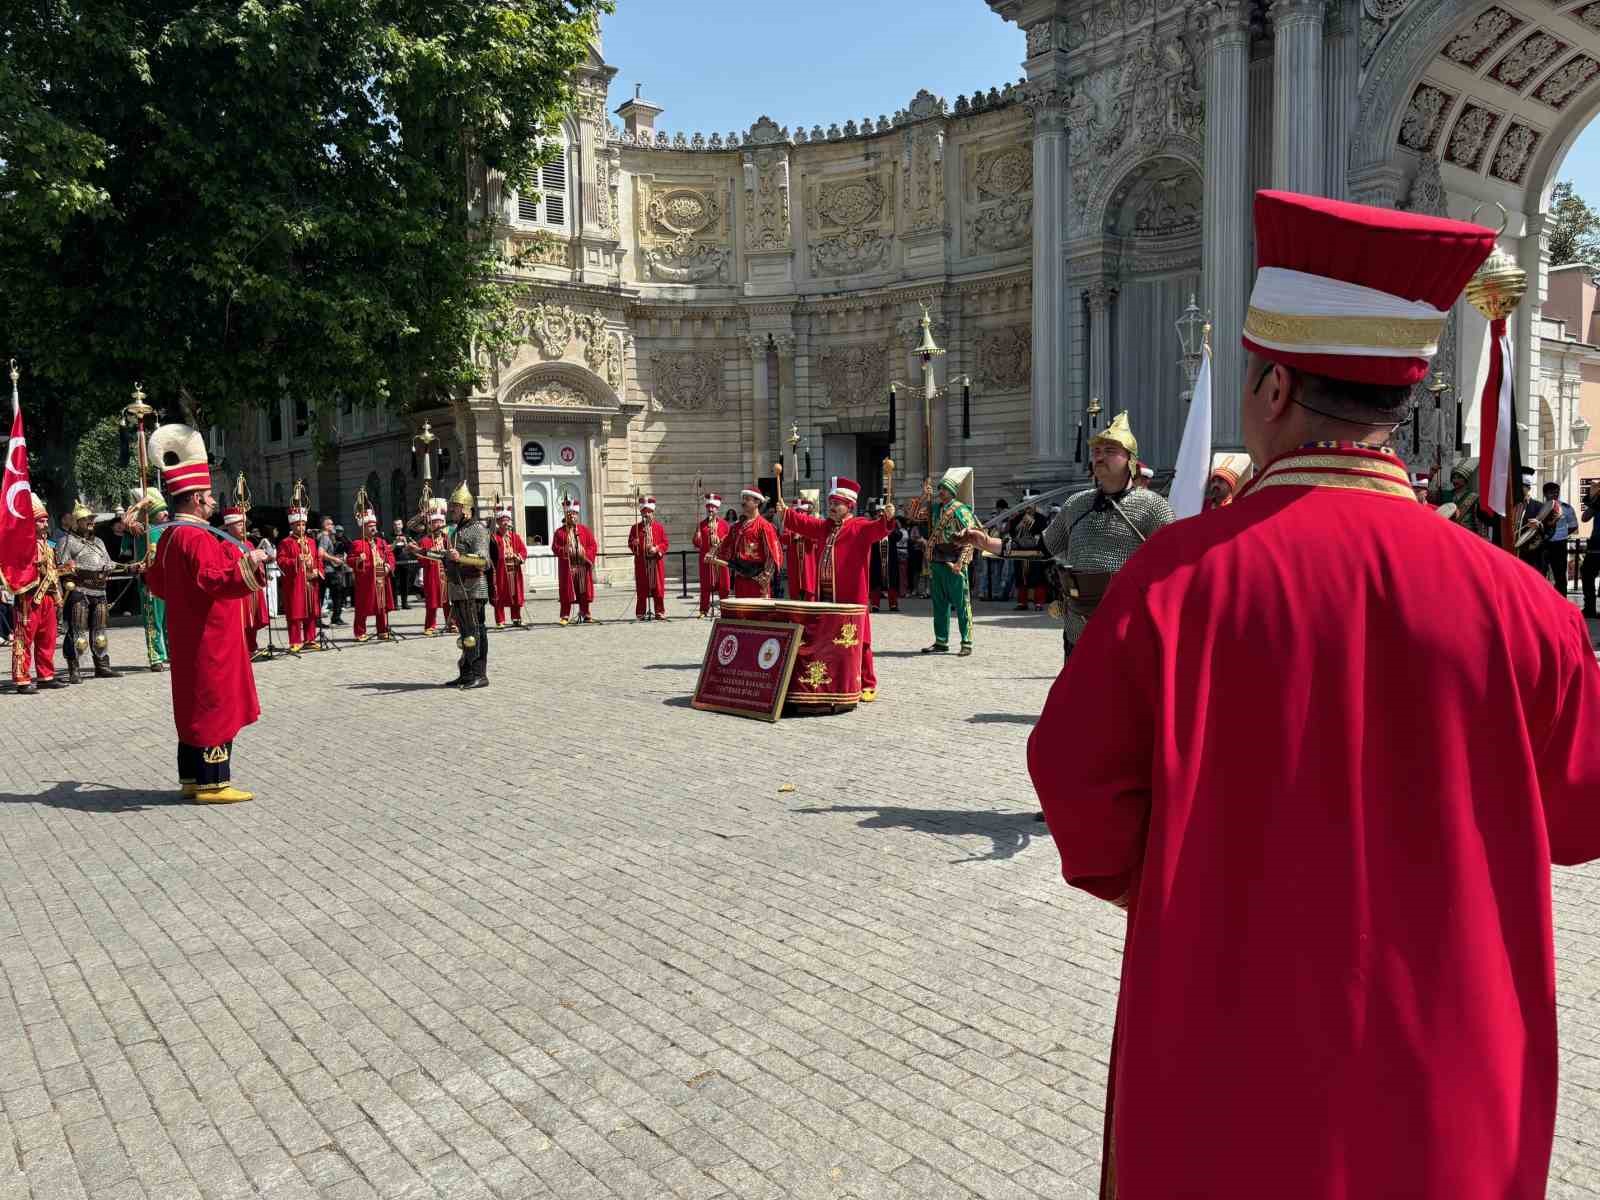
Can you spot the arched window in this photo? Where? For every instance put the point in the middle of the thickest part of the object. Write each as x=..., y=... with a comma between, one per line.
x=543, y=203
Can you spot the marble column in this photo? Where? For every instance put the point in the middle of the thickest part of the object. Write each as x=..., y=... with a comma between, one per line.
x=1102, y=296
x=761, y=459
x=783, y=347
x=1050, y=447
x=1341, y=86
x=1227, y=218
x=1297, y=131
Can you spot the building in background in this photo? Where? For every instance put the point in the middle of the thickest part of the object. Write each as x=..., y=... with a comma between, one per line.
x=691, y=300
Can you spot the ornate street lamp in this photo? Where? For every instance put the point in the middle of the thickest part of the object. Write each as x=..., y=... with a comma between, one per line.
x=1191, y=336
x=1580, y=432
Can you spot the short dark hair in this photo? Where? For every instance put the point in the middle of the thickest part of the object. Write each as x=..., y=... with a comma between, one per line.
x=1358, y=403
x=1552, y=488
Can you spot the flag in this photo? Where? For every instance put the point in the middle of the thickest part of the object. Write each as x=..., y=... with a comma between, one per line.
x=1193, y=472
x=18, y=542
x=1495, y=434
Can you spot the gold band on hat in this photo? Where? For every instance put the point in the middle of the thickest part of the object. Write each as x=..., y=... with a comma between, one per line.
x=1413, y=337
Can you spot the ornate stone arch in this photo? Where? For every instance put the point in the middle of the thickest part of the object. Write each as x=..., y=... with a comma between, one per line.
x=1111, y=192
x=559, y=385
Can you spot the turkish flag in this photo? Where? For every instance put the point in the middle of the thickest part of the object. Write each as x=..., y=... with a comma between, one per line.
x=18, y=542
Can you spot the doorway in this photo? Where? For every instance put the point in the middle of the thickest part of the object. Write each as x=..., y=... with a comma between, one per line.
x=871, y=450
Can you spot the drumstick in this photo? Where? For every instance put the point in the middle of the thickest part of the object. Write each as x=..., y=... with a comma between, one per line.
x=777, y=469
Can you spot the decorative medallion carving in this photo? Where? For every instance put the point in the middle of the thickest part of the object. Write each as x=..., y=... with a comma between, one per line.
x=851, y=222
x=1469, y=140
x=1492, y=29
x=688, y=380
x=1005, y=357
x=766, y=199
x=1514, y=153
x=551, y=328
x=853, y=376
x=1568, y=80
x=683, y=232
x=999, y=198
x=1588, y=15
x=1526, y=61
x=1424, y=119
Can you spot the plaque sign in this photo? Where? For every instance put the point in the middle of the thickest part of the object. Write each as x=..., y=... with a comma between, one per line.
x=746, y=668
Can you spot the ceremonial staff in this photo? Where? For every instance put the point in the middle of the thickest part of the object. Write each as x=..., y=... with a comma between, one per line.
x=888, y=498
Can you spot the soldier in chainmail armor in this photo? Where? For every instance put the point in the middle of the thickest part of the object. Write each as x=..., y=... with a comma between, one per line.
x=1097, y=531
x=89, y=569
x=467, y=580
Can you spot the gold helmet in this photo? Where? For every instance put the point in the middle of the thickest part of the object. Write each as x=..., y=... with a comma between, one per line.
x=462, y=496
x=81, y=511
x=1119, y=433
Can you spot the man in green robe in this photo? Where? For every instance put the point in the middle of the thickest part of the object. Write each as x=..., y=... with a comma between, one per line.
x=948, y=556
x=142, y=549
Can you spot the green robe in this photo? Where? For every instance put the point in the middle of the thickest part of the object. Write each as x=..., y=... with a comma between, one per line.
x=948, y=583
x=142, y=548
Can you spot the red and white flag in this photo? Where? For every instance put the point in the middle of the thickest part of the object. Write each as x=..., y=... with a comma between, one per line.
x=1498, y=409
x=18, y=542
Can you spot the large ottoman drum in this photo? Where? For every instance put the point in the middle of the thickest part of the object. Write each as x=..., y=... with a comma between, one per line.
x=827, y=673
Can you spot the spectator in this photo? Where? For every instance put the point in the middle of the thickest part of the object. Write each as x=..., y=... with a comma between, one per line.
x=994, y=573
x=901, y=556
x=268, y=542
x=916, y=547
x=329, y=542
x=1591, y=552
x=405, y=564
x=1553, y=554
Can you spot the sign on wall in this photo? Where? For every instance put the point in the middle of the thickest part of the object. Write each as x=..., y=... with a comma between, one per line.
x=533, y=453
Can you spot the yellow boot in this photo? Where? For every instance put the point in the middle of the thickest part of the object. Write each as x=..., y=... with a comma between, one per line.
x=221, y=793
x=868, y=695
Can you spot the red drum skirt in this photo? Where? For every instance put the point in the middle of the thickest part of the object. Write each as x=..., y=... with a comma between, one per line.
x=827, y=673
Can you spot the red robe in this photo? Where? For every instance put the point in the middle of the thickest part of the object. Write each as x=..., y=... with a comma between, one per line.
x=649, y=574
x=842, y=566
x=296, y=601
x=432, y=573
x=1338, y=979
x=203, y=580
x=366, y=593
x=712, y=579
x=508, y=581
x=754, y=541
x=575, y=586
x=800, y=556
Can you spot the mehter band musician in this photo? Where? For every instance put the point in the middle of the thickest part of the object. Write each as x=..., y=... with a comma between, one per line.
x=204, y=575
x=751, y=549
x=949, y=518
x=844, y=543
x=510, y=552
x=141, y=548
x=372, y=560
x=1339, y=976
x=800, y=557
x=430, y=552
x=647, y=542
x=709, y=537
x=34, y=615
x=256, y=614
x=575, y=552
x=300, y=582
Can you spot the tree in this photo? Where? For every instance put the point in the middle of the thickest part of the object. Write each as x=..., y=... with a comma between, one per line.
x=232, y=199
x=104, y=473
x=1575, y=227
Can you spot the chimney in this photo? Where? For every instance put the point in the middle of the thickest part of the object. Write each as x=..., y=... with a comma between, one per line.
x=639, y=115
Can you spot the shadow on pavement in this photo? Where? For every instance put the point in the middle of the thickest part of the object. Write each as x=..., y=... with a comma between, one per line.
x=1001, y=719
x=393, y=688
x=85, y=796
x=694, y=666
x=679, y=701
x=1008, y=833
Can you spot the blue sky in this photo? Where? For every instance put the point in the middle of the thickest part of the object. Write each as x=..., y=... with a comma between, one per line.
x=717, y=65
x=1582, y=164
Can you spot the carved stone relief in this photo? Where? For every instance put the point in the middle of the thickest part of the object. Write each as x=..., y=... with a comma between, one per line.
x=551, y=327
x=551, y=392
x=1152, y=96
x=766, y=199
x=1488, y=33
x=1525, y=61
x=851, y=222
x=683, y=232
x=1469, y=140
x=1588, y=15
x=924, y=166
x=999, y=188
x=539, y=249
x=1568, y=80
x=688, y=380
x=1005, y=357
x=1424, y=119
x=854, y=375
x=1514, y=153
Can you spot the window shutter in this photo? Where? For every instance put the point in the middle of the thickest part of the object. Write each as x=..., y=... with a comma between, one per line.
x=553, y=183
x=527, y=206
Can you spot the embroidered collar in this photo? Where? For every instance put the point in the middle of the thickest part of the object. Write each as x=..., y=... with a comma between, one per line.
x=1353, y=466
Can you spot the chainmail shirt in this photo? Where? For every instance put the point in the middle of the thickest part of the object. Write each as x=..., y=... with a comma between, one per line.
x=1089, y=534
x=472, y=538
x=91, y=557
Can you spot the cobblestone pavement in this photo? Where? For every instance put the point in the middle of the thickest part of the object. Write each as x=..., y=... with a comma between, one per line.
x=567, y=937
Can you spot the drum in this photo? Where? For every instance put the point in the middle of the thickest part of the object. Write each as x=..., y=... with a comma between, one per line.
x=827, y=672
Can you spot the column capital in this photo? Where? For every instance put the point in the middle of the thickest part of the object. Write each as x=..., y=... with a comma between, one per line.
x=1100, y=293
x=1222, y=18
x=758, y=344
x=1046, y=102
x=1297, y=12
x=783, y=343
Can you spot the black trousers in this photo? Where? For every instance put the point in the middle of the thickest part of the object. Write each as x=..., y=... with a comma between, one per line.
x=1587, y=572
x=86, y=618
x=1553, y=564
x=474, y=661
x=207, y=766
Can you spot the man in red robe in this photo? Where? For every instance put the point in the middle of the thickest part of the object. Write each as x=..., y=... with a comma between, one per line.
x=299, y=580
x=1338, y=978
x=709, y=536
x=430, y=546
x=204, y=577
x=34, y=629
x=800, y=557
x=510, y=552
x=751, y=551
x=647, y=542
x=372, y=559
x=256, y=614
x=844, y=542
x=575, y=552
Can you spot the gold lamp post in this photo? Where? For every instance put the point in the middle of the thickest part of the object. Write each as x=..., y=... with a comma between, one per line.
x=1495, y=290
x=926, y=353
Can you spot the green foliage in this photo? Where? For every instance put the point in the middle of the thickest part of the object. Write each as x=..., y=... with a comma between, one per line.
x=228, y=199
x=97, y=466
x=1575, y=228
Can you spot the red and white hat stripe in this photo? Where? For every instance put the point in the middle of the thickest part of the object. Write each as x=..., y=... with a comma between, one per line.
x=755, y=494
x=186, y=477
x=298, y=516
x=845, y=489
